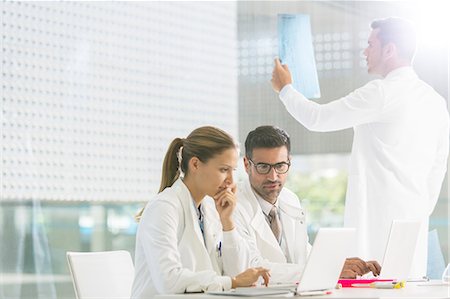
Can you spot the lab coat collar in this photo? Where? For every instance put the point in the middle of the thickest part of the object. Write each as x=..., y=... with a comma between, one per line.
x=259, y=223
x=288, y=210
x=288, y=229
x=265, y=205
x=292, y=219
x=191, y=218
x=286, y=220
x=192, y=231
x=403, y=71
x=213, y=226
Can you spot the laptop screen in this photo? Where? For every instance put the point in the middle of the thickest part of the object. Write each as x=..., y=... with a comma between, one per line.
x=400, y=249
x=331, y=247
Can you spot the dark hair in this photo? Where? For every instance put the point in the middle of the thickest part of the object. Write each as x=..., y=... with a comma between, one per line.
x=400, y=32
x=266, y=137
x=203, y=143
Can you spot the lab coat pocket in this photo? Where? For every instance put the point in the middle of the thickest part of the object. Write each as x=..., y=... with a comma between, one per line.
x=214, y=247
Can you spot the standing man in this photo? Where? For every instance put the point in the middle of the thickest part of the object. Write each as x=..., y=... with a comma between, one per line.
x=269, y=216
x=400, y=144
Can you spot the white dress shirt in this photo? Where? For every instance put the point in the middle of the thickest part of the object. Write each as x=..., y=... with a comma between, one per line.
x=266, y=207
x=264, y=249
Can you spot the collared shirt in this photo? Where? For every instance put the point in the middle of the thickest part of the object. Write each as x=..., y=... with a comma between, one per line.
x=266, y=207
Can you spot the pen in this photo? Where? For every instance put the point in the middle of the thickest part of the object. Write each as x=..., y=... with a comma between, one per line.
x=423, y=279
x=219, y=248
x=314, y=293
x=381, y=285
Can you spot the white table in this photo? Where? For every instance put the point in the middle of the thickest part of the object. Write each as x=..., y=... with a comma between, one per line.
x=412, y=290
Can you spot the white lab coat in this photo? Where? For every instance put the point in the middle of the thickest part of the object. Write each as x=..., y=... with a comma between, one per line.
x=398, y=159
x=171, y=256
x=264, y=248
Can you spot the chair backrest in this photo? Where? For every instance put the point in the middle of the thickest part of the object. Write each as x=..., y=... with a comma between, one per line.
x=107, y=274
x=436, y=262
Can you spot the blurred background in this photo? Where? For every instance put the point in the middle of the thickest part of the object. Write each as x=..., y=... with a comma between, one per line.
x=93, y=93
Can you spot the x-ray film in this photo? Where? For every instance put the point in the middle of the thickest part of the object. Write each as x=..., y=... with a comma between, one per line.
x=296, y=50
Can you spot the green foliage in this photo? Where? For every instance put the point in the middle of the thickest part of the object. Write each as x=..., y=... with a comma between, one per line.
x=322, y=195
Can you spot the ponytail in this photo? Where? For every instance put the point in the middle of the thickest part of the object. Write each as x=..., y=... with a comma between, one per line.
x=170, y=169
x=171, y=165
x=203, y=143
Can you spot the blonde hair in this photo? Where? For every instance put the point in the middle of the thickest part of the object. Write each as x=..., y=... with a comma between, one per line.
x=203, y=143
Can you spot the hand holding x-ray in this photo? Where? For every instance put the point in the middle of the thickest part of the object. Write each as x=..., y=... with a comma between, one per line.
x=281, y=76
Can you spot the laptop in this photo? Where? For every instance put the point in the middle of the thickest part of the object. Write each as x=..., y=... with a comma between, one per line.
x=323, y=267
x=400, y=249
x=326, y=259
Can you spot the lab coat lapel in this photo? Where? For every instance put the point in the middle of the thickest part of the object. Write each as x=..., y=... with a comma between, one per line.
x=192, y=229
x=260, y=225
x=262, y=228
x=212, y=226
x=292, y=218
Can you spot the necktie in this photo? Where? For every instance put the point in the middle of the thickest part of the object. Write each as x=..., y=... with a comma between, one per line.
x=275, y=223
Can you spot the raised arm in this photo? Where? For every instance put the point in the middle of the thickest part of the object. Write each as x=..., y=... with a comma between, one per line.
x=359, y=107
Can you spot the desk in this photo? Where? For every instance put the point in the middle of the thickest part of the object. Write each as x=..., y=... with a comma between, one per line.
x=412, y=290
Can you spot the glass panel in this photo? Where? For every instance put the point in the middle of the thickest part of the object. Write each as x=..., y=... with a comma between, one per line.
x=93, y=92
x=339, y=30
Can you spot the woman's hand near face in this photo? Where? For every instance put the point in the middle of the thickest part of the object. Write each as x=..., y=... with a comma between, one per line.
x=225, y=201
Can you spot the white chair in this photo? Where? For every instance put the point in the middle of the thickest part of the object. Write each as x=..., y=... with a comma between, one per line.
x=107, y=274
x=436, y=261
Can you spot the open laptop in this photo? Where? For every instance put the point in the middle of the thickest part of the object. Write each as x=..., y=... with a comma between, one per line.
x=400, y=249
x=326, y=259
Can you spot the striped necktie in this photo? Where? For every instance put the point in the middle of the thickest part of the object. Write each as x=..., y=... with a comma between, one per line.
x=275, y=223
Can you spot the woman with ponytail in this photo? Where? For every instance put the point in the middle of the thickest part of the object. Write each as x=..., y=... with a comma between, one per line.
x=186, y=239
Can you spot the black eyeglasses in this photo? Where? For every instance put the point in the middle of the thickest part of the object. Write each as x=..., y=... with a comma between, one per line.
x=265, y=168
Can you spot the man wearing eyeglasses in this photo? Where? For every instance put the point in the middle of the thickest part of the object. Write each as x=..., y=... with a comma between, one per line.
x=270, y=217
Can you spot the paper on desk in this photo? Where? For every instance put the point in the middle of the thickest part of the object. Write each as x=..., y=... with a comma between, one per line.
x=368, y=275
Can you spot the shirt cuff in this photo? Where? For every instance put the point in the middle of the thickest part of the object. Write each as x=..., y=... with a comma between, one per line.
x=285, y=90
x=230, y=238
x=225, y=281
